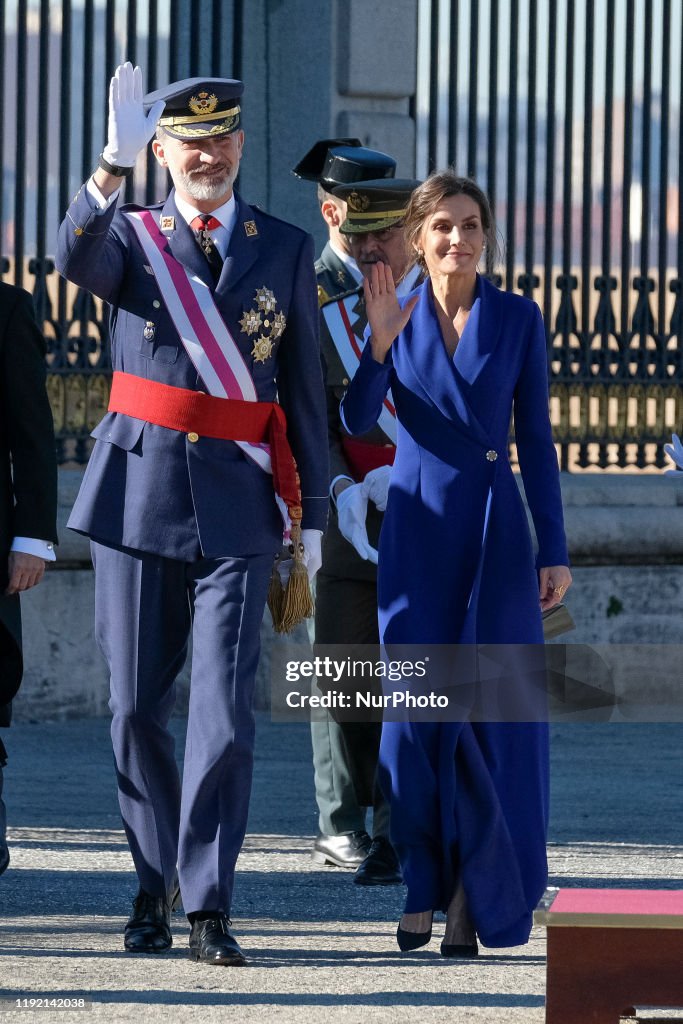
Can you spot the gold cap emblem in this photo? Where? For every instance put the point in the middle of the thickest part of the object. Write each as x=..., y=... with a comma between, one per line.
x=357, y=202
x=203, y=103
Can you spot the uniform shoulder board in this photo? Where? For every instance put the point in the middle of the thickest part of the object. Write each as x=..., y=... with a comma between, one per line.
x=323, y=297
x=357, y=291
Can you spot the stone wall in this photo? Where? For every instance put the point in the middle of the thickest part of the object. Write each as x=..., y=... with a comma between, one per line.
x=626, y=542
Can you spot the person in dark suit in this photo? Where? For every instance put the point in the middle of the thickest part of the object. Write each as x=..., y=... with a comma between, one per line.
x=28, y=500
x=469, y=799
x=214, y=333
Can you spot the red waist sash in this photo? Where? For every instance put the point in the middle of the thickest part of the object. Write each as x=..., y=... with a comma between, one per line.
x=362, y=456
x=228, y=419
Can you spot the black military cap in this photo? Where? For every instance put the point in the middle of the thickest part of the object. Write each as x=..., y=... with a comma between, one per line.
x=340, y=164
x=199, y=108
x=375, y=205
x=310, y=166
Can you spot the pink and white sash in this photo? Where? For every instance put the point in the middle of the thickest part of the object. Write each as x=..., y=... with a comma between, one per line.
x=203, y=331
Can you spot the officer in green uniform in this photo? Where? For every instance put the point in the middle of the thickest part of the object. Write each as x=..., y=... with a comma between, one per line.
x=342, y=793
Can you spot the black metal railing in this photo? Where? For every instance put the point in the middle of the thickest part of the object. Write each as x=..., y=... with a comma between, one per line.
x=577, y=138
x=56, y=58
x=567, y=111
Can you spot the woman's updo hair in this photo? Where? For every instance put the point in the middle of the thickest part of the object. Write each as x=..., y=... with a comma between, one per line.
x=427, y=197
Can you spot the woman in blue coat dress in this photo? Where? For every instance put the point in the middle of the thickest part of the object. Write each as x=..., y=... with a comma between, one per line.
x=469, y=800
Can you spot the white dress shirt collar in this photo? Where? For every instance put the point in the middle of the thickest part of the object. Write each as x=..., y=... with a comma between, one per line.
x=226, y=214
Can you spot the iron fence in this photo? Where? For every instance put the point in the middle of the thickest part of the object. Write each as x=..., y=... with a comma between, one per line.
x=56, y=59
x=568, y=112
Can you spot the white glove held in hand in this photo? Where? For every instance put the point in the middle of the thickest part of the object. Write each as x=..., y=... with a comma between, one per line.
x=352, y=510
x=312, y=556
x=376, y=486
x=129, y=128
x=675, y=451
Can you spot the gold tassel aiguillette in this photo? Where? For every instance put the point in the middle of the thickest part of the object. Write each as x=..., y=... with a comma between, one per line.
x=291, y=604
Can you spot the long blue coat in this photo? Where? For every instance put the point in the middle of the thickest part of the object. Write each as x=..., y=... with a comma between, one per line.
x=456, y=565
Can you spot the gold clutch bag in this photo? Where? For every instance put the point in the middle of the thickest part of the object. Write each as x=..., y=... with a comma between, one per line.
x=557, y=621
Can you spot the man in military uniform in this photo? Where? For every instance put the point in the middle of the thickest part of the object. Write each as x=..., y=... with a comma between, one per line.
x=346, y=606
x=213, y=315
x=28, y=490
x=342, y=839
x=330, y=163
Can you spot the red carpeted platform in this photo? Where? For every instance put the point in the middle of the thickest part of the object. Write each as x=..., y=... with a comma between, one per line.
x=611, y=949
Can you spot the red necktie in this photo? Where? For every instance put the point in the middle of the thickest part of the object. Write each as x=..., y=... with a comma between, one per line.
x=205, y=222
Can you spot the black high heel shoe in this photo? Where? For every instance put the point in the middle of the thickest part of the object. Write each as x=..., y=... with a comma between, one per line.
x=462, y=952
x=412, y=940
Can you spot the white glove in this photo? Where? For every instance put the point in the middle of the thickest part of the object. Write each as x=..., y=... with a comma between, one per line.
x=675, y=451
x=312, y=556
x=352, y=510
x=376, y=486
x=129, y=128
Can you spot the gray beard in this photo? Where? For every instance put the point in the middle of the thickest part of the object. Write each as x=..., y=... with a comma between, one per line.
x=205, y=188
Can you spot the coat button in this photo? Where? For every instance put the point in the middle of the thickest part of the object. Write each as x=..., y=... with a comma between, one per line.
x=491, y=455
x=345, y=381
x=156, y=304
x=192, y=436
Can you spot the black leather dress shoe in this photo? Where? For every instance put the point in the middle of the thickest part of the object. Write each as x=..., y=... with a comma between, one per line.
x=149, y=927
x=212, y=943
x=4, y=857
x=348, y=851
x=381, y=866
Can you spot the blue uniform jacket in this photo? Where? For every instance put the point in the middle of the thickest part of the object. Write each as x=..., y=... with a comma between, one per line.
x=148, y=487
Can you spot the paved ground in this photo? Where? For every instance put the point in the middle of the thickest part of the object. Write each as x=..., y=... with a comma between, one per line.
x=320, y=948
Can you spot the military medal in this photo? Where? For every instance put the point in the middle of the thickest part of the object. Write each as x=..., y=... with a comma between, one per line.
x=149, y=330
x=266, y=321
x=262, y=350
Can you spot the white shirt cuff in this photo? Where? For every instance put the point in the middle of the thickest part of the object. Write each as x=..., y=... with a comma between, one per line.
x=101, y=203
x=30, y=546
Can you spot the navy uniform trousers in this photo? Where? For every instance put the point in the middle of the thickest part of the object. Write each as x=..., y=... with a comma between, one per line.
x=146, y=606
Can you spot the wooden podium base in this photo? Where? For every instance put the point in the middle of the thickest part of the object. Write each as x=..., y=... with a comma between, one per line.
x=610, y=950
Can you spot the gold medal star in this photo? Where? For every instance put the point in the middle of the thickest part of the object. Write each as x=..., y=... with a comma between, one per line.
x=251, y=322
x=262, y=350
x=265, y=300
x=279, y=324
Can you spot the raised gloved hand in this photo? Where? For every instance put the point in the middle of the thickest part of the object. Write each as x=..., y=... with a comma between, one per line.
x=675, y=451
x=129, y=128
x=352, y=510
x=376, y=486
